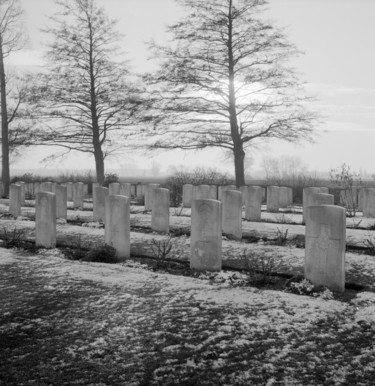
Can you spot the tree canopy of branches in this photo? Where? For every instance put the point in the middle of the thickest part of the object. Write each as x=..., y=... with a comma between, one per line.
x=11, y=39
x=85, y=102
x=224, y=82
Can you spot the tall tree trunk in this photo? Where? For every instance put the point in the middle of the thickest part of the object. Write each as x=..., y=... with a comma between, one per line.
x=97, y=143
x=99, y=163
x=239, y=154
x=239, y=164
x=4, y=127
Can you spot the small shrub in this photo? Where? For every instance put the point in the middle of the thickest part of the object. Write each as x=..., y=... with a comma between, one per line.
x=281, y=237
x=26, y=177
x=160, y=250
x=370, y=245
x=109, y=178
x=15, y=238
x=302, y=286
x=343, y=178
x=78, y=251
x=261, y=267
x=178, y=211
x=102, y=254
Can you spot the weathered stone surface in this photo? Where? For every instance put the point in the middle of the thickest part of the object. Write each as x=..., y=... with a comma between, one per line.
x=78, y=194
x=212, y=192
x=369, y=202
x=15, y=200
x=94, y=185
x=205, y=240
x=45, y=220
x=243, y=190
x=23, y=191
x=114, y=188
x=273, y=193
x=224, y=188
x=201, y=192
x=283, y=197
x=232, y=214
x=187, y=195
x=117, y=224
x=160, y=210
x=322, y=199
x=307, y=197
x=126, y=189
x=36, y=187
x=253, y=202
x=61, y=201
x=100, y=193
x=133, y=190
x=46, y=186
x=149, y=194
x=325, y=246
x=69, y=190
x=139, y=191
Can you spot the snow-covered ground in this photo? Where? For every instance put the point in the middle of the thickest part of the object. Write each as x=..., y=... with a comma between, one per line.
x=99, y=324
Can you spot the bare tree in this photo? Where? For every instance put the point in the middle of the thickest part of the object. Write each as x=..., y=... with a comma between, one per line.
x=86, y=101
x=223, y=82
x=12, y=38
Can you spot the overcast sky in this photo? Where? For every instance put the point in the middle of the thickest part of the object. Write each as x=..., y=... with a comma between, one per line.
x=337, y=37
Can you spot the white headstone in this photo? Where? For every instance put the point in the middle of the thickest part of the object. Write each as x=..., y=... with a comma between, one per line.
x=69, y=190
x=94, y=185
x=212, y=192
x=369, y=202
x=117, y=224
x=160, y=210
x=322, y=199
x=46, y=186
x=149, y=193
x=15, y=200
x=253, y=202
x=100, y=193
x=201, y=192
x=23, y=192
x=307, y=197
x=61, y=201
x=45, y=220
x=232, y=214
x=223, y=188
x=114, y=188
x=78, y=194
x=284, y=197
x=205, y=240
x=325, y=246
x=273, y=193
x=125, y=189
x=187, y=195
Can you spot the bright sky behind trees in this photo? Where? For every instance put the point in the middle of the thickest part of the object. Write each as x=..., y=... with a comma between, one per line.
x=338, y=67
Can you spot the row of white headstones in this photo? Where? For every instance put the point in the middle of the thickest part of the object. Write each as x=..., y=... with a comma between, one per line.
x=325, y=223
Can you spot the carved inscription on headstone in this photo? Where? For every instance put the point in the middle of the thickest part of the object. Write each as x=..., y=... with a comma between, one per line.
x=325, y=246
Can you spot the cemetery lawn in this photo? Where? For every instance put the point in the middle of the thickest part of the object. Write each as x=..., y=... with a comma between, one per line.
x=68, y=322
